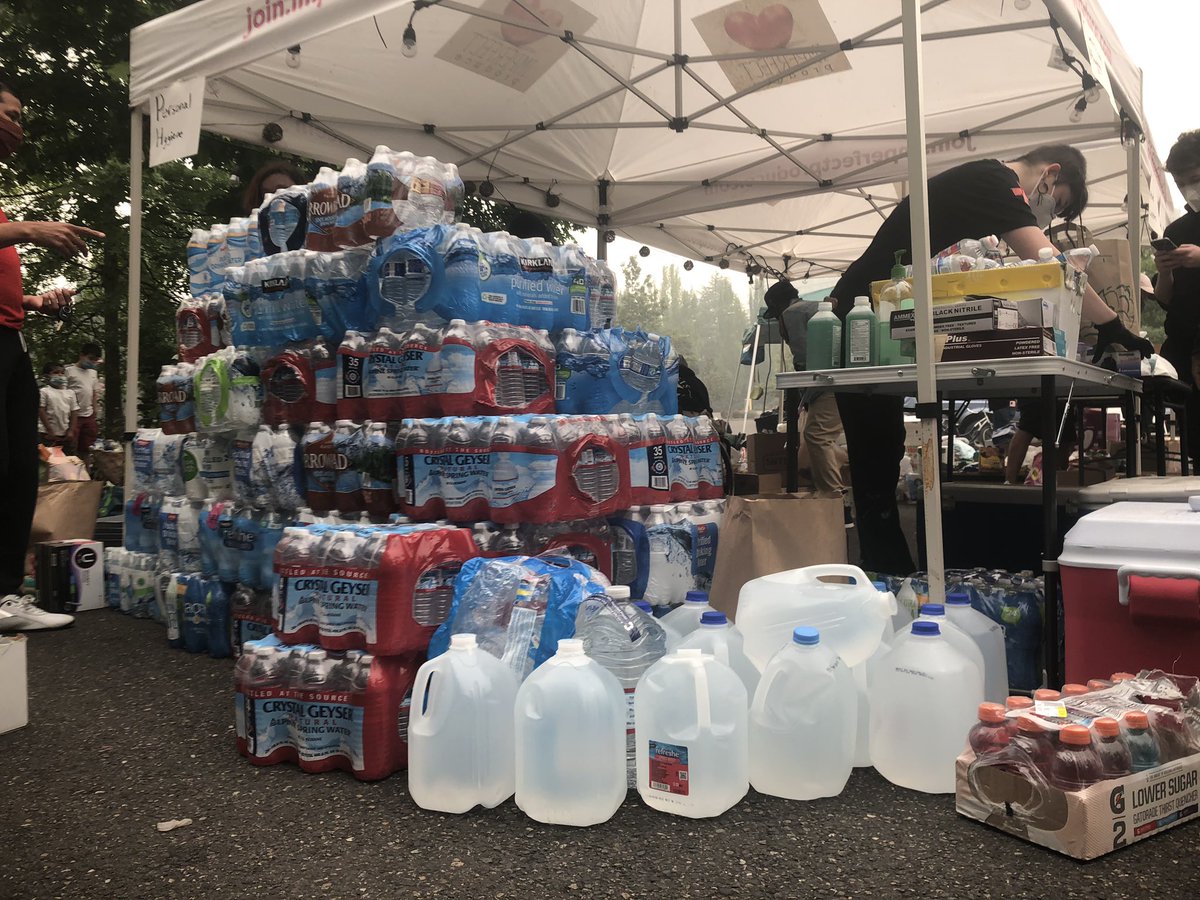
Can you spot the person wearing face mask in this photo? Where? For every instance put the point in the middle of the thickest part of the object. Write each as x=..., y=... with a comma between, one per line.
x=84, y=379
x=19, y=399
x=1016, y=200
x=58, y=410
x=1178, y=286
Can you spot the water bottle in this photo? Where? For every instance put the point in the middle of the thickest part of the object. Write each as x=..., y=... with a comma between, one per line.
x=347, y=450
x=570, y=740
x=692, y=735
x=271, y=530
x=923, y=703
x=349, y=229
x=382, y=187
x=247, y=529
x=457, y=357
x=235, y=242
x=323, y=206
x=464, y=483
x=194, y=620
x=1076, y=764
x=803, y=721
x=988, y=637
x=426, y=193
x=283, y=220
x=626, y=641
x=217, y=619
x=685, y=619
x=377, y=462
x=197, y=261
x=460, y=732
x=717, y=636
x=418, y=455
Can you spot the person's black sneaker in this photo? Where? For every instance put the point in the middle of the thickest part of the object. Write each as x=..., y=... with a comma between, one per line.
x=848, y=516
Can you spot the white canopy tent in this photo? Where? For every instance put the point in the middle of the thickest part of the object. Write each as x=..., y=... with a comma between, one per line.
x=763, y=132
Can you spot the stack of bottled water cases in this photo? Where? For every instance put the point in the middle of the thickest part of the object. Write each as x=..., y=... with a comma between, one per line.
x=589, y=541
x=1070, y=740
x=354, y=610
x=663, y=551
x=1014, y=601
x=615, y=370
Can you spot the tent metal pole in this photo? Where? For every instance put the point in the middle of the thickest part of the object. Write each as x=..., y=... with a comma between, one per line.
x=1133, y=198
x=678, y=61
x=134, y=311
x=929, y=409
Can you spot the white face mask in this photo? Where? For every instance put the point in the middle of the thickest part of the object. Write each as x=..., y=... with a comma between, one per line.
x=1042, y=204
x=1191, y=196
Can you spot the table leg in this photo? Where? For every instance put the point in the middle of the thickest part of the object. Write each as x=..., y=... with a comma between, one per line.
x=1050, y=532
x=791, y=439
x=950, y=423
x=1159, y=411
x=1133, y=435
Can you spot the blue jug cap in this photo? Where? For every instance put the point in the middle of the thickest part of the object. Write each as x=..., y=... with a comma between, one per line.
x=644, y=607
x=958, y=599
x=925, y=628
x=880, y=586
x=933, y=609
x=805, y=635
x=712, y=617
x=696, y=597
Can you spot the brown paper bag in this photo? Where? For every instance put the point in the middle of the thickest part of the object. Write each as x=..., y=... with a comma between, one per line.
x=769, y=533
x=66, y=510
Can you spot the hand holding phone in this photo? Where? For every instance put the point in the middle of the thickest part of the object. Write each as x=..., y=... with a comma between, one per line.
x=1163, y=245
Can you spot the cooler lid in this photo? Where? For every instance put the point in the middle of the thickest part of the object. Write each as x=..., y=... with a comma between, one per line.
x=1135, y=533
x=1149, y=488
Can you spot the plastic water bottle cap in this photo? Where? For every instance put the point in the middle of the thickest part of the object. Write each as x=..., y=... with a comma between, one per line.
x=570, y=647
x=617, y=592
x=957, y=599
x=805, y=635
x=462, y=641
x=689, y=653
x=933, y=609
x=696, y=597
x=712, y=617
x=926, y=628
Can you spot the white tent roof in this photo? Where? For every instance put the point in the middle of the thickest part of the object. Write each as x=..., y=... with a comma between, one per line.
x=684, y=116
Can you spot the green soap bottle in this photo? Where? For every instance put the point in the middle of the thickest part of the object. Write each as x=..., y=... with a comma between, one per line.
x=862, y=335
x=892, y=298
x=824, y=346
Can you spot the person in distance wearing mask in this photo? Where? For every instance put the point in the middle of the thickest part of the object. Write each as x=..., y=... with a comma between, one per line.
x=1016, y=200
x=1178, y=285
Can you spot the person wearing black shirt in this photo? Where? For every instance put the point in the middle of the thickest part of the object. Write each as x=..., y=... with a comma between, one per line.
x=1015, y=200
x=1178, y=285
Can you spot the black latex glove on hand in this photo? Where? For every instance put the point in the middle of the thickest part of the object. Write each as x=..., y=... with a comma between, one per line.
x=1113, y=332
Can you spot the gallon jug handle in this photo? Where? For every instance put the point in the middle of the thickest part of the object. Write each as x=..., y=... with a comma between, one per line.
x=835, y=570
x=703, y=710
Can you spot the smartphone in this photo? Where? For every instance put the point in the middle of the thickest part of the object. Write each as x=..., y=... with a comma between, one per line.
x=1163, y=245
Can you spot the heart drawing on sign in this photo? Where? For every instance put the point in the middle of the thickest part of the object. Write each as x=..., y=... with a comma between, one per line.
x=530, y=11
x=771, y=29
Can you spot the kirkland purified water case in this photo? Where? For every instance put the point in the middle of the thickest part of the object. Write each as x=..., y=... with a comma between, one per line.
x=70, y=576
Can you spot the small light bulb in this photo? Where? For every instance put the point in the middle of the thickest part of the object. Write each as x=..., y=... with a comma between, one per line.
x=1076, y=115
x=1021, y=4
x=644, y=251
x=409, y=46
x=1093, y=94
x=293, y=58
x=688, y=265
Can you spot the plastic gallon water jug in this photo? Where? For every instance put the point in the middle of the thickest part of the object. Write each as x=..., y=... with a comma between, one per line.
x=924, y=701
x=989, y=638
x=723, y=640
x=692, y=735
x=850, y=617
x=685, y=619
x=863, y=673
x=460, y=732
x=570, y=740
x=803, y=722
x=951, y=633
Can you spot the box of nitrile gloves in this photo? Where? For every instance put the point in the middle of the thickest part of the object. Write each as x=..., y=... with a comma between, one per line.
x=70, y=576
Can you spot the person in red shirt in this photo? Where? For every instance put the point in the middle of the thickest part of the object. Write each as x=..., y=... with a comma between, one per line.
x=18, y=388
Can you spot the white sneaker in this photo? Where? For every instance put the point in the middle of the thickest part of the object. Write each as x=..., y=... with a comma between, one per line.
x=21, y=614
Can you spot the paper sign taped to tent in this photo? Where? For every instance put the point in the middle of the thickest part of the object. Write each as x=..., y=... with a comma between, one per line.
x=508, y=53
x=770, y=25
x=175, y=115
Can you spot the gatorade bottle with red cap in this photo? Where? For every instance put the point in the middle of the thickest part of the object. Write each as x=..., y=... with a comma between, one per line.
x=1098, y=684
x=990, y=733
x=1110, y=747
x=1076, y=764
x=1074, y=690
x=1046, y=695
x=1016, y=701
x=1032, y=738
x=1121, y=676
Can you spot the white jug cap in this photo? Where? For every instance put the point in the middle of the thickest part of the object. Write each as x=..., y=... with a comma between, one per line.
x=570, y=647
x=462, y=641
x=617, y=592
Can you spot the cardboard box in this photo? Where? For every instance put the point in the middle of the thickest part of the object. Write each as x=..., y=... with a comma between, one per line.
x=1083, y=824
x=974, y=315
x=1015, y=343
x=746, y=483
x=14, y=699
x=70, y=576
x=765, y=453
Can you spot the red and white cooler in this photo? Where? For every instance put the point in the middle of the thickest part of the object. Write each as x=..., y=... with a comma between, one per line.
x=1131, y=590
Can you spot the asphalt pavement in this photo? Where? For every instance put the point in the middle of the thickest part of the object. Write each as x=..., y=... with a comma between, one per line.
x=125, y=733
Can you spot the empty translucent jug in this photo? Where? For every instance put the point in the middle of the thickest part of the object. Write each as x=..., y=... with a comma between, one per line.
x=685, y=619
x=951, y=633
x=924, y=701
x=460, y=733
x=803, y=722
x=988, y=637
x=692, y=750
x=570, y=740
x=723, y=640
x=850, y=617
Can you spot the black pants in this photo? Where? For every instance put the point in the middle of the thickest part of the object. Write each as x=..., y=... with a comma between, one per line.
x=874, y=429
x=18, y=458
x=1178, y=353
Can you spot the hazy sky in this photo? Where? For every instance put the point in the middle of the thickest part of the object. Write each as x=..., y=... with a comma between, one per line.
x=1160, y=36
